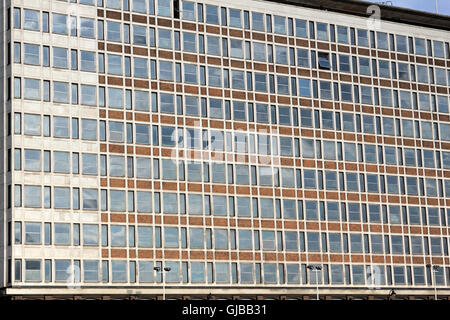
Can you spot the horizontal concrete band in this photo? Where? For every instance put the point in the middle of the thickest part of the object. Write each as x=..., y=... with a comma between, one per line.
x=236, y=291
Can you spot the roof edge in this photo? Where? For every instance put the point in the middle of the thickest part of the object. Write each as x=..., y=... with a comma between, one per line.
x=387, y=13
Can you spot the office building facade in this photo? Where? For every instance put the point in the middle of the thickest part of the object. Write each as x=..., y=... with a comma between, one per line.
x=246, y=149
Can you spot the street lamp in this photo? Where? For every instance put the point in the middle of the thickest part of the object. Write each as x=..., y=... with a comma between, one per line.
x=166, y=269
x=316, y=268
x=392, y=294
x=434, y=269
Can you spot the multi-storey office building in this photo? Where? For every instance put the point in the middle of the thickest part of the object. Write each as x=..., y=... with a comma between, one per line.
x=254, y=148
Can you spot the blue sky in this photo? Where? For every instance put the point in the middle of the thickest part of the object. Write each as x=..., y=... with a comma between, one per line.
x=423, y=5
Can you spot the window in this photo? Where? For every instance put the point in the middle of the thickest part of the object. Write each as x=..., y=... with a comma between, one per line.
x=32, y=124
x=282, y=85
x=165, y=38
x=268, y=240
x=31, y=54
x=260, y=82
x=188, y=11
x=424, y=101
x=440, y=76
x=61, y=127
x=189, y=42
x=329, y=150
x=222, y=272
x=344, y=63
x=313, y=243
x=166, y=70
x=304, y=87
x=279, y=25
x=322, y=31
x=32, y=89
x=87, y=61
x=237, y=80
x=140, y=68
x=90, y=235
x=60, y=58
x=382, y=41
x=325, y=90
x=116, y=131
x=401, y=43
x=308, y=148
x=411, y=185
x=118, y=236
x=61, y=198
x=117, y=200
x=33, y=270
x=212, y=15
x=372, y=183
x=144, y=201
x=259, y=51
x=32, y=233
x=362, y=38
x=422, y=74
x=61, y=234
x=59, y=23
x=113, y=31
x=87, y=28
x=190, y=73
x=88, y=95
x=324, y=60
x=61, y=162
x=89, y=129
x=403, y=71
x=60, y=92
x=303, y=58
x=386, y=97
x=90, y=268
x=281, y=55
x=342, y=34
x=90, y=199
x=438, y=49
x=113, y=4
x=139, y=6
x=119, y=271
x=31, y=20
x=89, y=164
x=32, y=196
x=235, y=49
x=419, y=45
x=142, y=134
x=383, y=69
x=114, y=64
x=171, y=237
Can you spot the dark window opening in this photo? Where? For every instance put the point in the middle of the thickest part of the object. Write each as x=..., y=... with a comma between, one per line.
x=324, y=60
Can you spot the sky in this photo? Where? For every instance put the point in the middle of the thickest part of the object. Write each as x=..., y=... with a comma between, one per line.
x=422, y=5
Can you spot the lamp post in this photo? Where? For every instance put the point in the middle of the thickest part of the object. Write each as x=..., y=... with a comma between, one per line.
x=316, y=268
x=163, y=279
x=434, y=269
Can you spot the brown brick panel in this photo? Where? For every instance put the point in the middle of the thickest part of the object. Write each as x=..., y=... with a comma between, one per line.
x=164, y=22
x=115, y=81
x=171, y=254
x=142, y=184
x=118, y=253
x=114, y=47
x=117, y=183
x=144, y=84
x=114, y=148
x=115, y=114
x=140, y=51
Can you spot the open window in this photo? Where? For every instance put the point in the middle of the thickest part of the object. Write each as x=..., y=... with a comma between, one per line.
x=324, y=60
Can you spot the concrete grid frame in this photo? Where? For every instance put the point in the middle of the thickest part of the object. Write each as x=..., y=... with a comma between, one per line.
x=258, y=149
